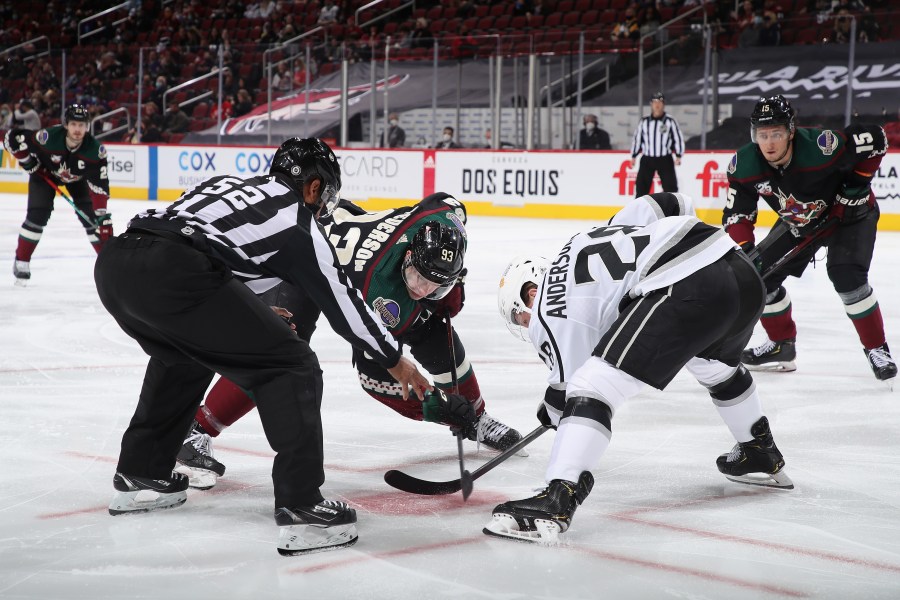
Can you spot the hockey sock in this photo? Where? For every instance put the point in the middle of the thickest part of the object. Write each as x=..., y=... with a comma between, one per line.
x=29, y=236
x=740, y=417
x=468, y=387
x=776, y=318
x=225, y=404
x=582, y=437
x=865, y=314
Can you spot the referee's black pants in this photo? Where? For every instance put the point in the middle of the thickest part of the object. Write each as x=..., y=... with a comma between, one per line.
x=664, y=165
x=194, y=320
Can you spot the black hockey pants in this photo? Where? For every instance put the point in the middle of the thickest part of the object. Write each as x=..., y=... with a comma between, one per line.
x=193, y=319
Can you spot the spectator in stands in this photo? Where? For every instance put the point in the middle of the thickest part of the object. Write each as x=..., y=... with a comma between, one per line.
x=841, y=33
x=770, y=32
x=176, y=120
x=521, y=8
x=868, y=29
x=328, y=14
x=243, y=104
x=396, y=136
x=108, y=68
x=159, y=90
x=421, y=37
x=683, y=51
x=749, y=36
x=6, y=117
x=267, y=35
x=591, y=136
x=227, y=108
x=447, y=142
x=281, y=80
x=628, y=28
x=25, y=117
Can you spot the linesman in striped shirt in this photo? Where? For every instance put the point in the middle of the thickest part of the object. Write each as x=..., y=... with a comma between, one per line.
x=658, y=139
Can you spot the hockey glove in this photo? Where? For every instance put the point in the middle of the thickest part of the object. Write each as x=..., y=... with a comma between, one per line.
x=451, y=409
x=753, y=254
x=30, y=164
x=850, y=207
x=544, y=417
x=103, y=221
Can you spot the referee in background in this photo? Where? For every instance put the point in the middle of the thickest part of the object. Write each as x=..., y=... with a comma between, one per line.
x=658, y=138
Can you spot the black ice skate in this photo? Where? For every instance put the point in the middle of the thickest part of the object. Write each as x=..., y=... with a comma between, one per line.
x=494, y=434
x=771, y=356
x=883, y=365
x=22, y=272
x=142, y=494
x=328, y=525
x=757, y=462
x=195, y=459
x=543, y=517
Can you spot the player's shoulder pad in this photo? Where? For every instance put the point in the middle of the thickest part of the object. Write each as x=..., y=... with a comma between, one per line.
x=746, y=162
x=866, y=140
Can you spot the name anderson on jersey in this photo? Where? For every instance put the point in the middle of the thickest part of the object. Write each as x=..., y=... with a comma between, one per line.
x=556, y=284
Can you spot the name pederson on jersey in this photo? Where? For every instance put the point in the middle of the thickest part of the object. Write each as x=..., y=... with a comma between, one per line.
x=87, y=162
x=372, y=247
x=824, y=163
x=579, y=297
x=259, y=228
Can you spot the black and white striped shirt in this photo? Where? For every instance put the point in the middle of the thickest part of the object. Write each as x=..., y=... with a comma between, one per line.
x=260, y=229
x=657, y=137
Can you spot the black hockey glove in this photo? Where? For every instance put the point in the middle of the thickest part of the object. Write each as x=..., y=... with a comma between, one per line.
x=850, y=207
x=30, y=164
x=544, y=417
x=753, y=254
x=451, y=409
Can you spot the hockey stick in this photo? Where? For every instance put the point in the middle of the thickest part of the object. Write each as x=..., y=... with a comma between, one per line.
x=78, y=211
x=464, y=476
x=413, y=485
x=821, y=230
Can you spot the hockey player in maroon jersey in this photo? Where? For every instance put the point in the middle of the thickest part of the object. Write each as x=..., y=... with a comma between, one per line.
x=818, y=181
x=396, y=259
x=67, y=155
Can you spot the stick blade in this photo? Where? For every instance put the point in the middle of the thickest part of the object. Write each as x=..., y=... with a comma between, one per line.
x=413, y=485
x=466, y=483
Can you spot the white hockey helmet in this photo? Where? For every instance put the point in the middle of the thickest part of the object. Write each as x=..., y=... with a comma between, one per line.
x=521, y=270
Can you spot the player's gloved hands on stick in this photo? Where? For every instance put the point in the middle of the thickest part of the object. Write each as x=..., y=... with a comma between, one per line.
x=544, y=417
x=451, y=409
x=103, y=221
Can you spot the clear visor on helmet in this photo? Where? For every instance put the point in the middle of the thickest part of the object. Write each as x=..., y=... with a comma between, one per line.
x=329, y=200
x=515, y=324
x=769, y=133
x=442, y=290
x=417, y=284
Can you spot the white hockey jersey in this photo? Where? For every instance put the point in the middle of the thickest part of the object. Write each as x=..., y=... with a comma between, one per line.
x=579, y=297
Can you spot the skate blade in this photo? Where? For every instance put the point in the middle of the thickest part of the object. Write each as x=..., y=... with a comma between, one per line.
x=774, y=367
x=307, y=539
x=21, y=282
x=124, y=503
x=200, y=479
x=778, y=480
x=505, y=526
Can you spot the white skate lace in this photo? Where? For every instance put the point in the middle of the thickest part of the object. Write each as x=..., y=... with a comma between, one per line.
x=735, y=453
x=489, y=429
x=880, y=358
x=202, y=442
x=765, y=348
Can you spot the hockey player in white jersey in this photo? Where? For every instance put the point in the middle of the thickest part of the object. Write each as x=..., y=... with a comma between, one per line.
x=621, y=308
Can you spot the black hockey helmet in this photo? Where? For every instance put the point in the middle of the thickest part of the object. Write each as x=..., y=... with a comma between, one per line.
x=772, y=111
x=77, y=112
x=437, y=252
x=304, y=159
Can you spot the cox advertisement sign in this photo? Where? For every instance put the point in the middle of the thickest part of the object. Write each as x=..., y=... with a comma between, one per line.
x=365, y=173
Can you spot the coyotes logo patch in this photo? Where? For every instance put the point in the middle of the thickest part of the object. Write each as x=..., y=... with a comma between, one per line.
x=800, y=213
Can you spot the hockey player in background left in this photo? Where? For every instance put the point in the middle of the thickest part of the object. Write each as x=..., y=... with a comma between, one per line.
x=812, y=178
x=622, y=308
x=68, y=155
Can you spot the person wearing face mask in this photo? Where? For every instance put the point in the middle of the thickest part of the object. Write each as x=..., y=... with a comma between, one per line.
x=447, y=141
x=592, y=137
x=396, y=136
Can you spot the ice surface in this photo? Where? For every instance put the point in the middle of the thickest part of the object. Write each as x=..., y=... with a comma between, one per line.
x=660, y=523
